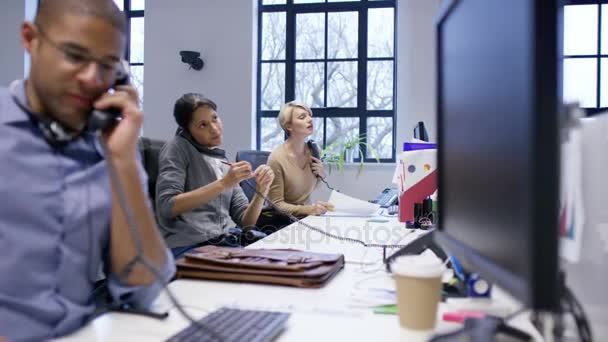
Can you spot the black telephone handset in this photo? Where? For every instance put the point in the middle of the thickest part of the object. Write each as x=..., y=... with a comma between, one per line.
x=315, y=151
x=103, y=120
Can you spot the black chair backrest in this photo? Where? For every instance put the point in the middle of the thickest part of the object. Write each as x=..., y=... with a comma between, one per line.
x=255, y=158
x=150, y=150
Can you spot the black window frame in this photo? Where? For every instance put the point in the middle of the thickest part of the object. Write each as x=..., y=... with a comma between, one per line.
x=598, y=56
x=130, y=14
x=360, y=111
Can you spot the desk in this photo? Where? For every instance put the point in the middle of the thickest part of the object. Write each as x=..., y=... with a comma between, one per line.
x=325, y=314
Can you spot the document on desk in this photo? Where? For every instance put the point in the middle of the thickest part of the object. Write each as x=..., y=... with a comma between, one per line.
x=350, y=206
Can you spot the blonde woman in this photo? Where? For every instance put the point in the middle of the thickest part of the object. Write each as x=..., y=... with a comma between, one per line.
x=296, y=171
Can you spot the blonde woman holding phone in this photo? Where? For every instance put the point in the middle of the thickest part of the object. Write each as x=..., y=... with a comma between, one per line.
x=296, y=170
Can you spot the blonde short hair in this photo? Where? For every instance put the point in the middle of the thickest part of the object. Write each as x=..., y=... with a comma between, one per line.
x=286, y=113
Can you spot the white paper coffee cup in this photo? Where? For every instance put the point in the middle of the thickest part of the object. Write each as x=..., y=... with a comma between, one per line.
x=418, y=283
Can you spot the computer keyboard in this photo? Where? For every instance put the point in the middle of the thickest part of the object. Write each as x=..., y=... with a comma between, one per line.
x=235, y=325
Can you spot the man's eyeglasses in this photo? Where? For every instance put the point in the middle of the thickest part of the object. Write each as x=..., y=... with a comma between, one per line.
x=109, y=69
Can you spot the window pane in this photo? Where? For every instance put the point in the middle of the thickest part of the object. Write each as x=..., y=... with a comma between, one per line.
x=307, y=1
x=580, y=77
x=342, y=84
x=136, y=52
x=380, y=137
x=380, y=32
x=137, y=79
x=310, y=36
x=317, y=134
x=341, y=129
x=273, y=85
x=342, y=35
x=120, y=4
x=380, y=85
x=273, y=36
x=272, y=134
x=580, y=29
x=604, y=83
x=273, y=2
x=310, y=87
x=604, y=29
x=138, y=5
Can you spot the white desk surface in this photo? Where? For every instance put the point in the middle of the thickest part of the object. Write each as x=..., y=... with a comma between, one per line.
x=328, y=313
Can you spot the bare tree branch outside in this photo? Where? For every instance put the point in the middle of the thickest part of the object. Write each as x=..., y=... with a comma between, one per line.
x=332, y=81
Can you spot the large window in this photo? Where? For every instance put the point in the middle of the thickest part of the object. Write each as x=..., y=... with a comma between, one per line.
x=586, y=53
x=336, y=56
x=134, y=11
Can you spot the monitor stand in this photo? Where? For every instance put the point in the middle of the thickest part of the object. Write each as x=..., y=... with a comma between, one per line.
x=548, y=324
x=485, y=329
x=419, y=245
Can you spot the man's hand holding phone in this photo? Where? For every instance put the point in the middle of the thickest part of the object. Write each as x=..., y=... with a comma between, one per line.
x=122, y=139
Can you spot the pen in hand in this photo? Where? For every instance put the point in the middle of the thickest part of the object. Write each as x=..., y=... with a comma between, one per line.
x=231, y=165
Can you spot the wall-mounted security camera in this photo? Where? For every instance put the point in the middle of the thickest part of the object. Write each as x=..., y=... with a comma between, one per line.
x=193, y=59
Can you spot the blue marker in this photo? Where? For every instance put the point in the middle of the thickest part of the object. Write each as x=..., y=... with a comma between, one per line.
x=458, y=271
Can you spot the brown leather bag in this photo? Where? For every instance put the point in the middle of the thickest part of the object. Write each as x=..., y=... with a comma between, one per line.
x=271, y=266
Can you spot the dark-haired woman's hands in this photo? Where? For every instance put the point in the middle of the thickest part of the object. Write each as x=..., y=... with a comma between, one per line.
x=264, y=177
x=238, y=172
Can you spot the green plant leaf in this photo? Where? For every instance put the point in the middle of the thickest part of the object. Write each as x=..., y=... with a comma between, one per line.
x=360, y=168
x=334, y=154
x=341, y=163
x=373, y=152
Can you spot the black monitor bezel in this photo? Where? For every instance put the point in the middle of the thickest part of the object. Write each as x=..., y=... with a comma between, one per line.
x=541, y=292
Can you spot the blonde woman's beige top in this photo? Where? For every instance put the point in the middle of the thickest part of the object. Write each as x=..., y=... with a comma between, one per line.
x=292, y=185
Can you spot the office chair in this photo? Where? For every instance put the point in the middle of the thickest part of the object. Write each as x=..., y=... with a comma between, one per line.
x=255, y=158
x=150, y=150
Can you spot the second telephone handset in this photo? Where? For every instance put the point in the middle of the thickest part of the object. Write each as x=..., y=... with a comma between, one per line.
x=102, y=120
x=315, y=151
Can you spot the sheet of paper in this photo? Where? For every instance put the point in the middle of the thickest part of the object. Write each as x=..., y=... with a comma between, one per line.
x=572, y=211
x=350, y=206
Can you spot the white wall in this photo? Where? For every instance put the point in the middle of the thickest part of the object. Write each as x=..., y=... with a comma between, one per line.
x=12, y=13
x=14, y=61
x=225, y=33
x=415, y=95
x=416, y=66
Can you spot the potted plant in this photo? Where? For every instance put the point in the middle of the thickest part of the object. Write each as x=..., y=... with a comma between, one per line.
x=345, y=150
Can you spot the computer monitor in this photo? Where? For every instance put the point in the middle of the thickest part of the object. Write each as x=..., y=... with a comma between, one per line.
x=420, y=132
x=498, y=143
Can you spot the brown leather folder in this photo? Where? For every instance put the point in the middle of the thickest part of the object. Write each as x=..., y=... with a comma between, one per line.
x=271, y=266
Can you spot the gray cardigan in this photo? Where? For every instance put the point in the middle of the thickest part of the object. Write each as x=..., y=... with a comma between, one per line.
x=183, y=168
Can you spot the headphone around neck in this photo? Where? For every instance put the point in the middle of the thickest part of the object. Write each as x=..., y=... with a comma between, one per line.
x=54, y=132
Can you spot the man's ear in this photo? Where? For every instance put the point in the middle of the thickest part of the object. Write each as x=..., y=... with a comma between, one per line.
x=29, y=36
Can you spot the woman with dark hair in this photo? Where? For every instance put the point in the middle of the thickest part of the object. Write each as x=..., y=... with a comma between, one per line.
x=198, y=197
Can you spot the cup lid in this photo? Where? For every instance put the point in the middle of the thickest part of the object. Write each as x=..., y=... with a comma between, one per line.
x=423, y=266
